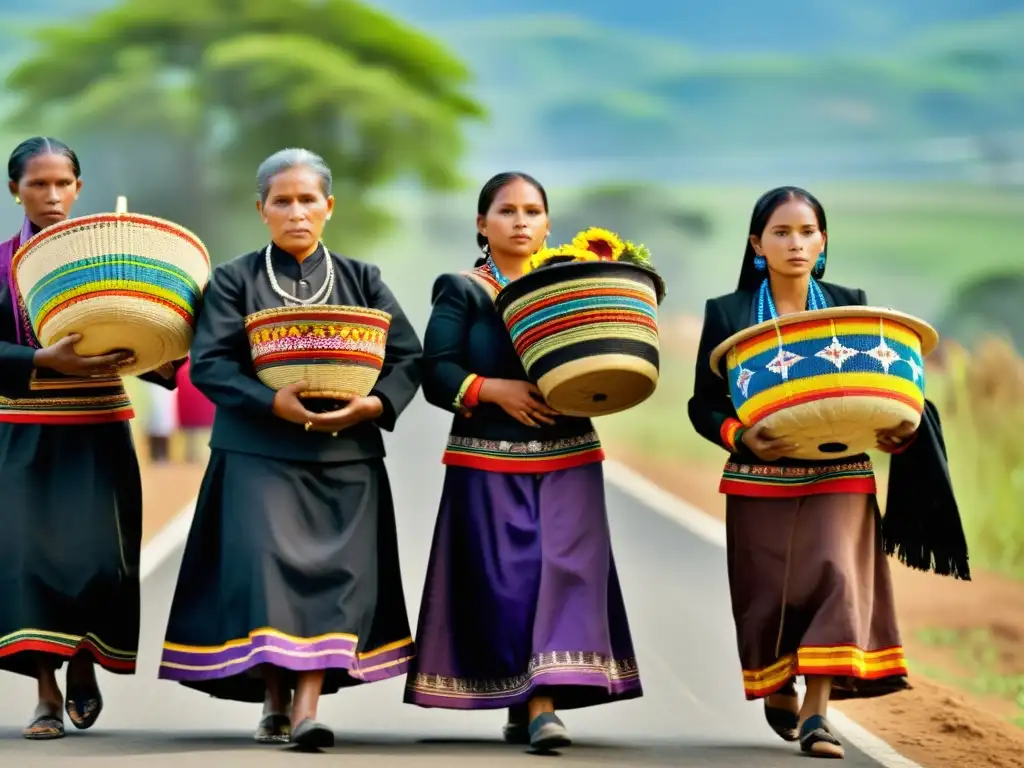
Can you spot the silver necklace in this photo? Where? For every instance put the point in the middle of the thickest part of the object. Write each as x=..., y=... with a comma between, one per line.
x=319, y=296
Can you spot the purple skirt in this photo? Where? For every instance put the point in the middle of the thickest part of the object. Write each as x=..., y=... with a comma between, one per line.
x=522, y=597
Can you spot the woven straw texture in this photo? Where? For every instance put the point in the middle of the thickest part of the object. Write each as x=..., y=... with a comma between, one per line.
x=829, y=381
x=123, y=281
x=337, y=350
x=587, y=334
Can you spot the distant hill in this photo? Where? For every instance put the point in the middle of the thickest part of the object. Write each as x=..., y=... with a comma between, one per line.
x=690, y=88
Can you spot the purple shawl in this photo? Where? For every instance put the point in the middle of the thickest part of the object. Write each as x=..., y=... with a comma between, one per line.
x=7, y=251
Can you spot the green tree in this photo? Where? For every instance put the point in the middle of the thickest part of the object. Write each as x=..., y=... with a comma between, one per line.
x=176, y=103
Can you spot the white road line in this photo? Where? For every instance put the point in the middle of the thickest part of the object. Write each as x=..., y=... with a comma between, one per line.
x=175, y=532
x=708, y=528
x=166, y=541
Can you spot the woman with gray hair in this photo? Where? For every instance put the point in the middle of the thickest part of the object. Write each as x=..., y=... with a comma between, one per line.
x=290, y=579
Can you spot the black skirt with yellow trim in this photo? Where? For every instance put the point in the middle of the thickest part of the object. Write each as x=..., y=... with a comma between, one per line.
x=292, y=565
x=71, y=509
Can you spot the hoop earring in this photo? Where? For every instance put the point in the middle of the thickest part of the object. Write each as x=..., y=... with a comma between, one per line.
x=759, y=263
x=819, y=265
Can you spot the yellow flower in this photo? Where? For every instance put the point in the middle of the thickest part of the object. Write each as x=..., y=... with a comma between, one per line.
x=562, y=253
x=605, y=245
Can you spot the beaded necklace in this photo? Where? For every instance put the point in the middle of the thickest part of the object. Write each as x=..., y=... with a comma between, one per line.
x=815, y=300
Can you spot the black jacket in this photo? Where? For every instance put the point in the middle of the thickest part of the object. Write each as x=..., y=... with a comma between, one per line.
x=222, y=366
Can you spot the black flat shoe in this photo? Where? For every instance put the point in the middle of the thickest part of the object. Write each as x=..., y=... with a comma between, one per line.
x=784, y=722
x=309, y=734
x=517, y=729
x=274, y=729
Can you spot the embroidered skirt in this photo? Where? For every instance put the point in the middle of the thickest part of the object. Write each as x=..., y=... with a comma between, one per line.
x=293, y=565
x=522, y=596
x=812, y=594
x=71, y=510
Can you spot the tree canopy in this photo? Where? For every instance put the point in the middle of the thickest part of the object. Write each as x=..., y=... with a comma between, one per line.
x=181, y=101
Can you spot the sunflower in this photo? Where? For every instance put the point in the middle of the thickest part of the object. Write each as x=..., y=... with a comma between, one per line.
x=559, y=255
x=605, y=245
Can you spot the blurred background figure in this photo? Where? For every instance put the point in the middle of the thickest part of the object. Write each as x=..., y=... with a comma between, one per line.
x=161, y=422
x=195, y=416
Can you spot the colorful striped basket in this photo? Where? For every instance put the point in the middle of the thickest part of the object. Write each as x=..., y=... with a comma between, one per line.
x=828, y=379
x=337, y=350
x=586, y=333
x=122, y=280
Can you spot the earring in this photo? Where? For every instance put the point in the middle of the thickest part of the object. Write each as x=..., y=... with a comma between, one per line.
x=17, y=199
x=819, y=265
x=329, y=216
x=760, y=263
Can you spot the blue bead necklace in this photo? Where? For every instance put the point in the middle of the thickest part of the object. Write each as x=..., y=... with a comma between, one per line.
x=815, y=299
x=489, y=264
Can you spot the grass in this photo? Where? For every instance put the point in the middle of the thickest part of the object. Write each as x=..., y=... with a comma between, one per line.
x=977, y=653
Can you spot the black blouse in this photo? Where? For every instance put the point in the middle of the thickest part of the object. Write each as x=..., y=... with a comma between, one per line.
x=222, y=366
x=466, y=338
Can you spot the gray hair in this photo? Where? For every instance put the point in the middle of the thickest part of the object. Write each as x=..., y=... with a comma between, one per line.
x=286, y=159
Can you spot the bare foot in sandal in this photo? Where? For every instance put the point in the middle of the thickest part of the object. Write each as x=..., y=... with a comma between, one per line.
x=47, y=723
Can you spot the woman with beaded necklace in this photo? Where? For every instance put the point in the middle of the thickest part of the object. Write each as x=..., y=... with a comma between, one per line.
x=810, y=584
x=290, y=578
x=522, y=607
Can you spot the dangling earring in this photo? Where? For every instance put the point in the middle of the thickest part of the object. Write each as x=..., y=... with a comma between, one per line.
x=819, y=265
x=760, y=263
x=17, y=199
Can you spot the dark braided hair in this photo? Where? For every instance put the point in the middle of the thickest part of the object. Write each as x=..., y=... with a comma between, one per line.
x=490, y=191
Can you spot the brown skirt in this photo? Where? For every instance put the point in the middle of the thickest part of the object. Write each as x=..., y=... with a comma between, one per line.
x=812, y=594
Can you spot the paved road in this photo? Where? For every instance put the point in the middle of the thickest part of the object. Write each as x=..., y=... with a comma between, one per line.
x=693, y=712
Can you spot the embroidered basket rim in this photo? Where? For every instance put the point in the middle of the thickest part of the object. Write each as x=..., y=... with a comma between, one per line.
x=928, y=335
x=324, y=309
x=137, y=219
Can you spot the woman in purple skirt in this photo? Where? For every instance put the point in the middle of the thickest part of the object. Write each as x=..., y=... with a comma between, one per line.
x=522, y=607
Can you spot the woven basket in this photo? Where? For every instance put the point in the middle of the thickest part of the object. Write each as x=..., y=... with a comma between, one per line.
x=121, y=280
x=338, y=350
x=586, y=333
x=828, y=379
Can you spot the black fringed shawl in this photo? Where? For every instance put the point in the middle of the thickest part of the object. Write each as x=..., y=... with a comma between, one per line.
x=922, y=525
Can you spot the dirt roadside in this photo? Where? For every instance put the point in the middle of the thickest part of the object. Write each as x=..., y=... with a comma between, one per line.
x=935, y=725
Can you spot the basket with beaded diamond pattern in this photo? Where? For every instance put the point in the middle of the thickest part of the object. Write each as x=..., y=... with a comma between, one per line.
x=828, y=379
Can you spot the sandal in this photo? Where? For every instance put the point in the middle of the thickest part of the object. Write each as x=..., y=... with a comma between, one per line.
x=816, y=739
x=45, y=727
x=274, y=729
x=83, y=705
x=785, y=722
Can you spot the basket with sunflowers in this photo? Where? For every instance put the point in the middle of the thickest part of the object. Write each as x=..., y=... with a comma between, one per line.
x=584, y=322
